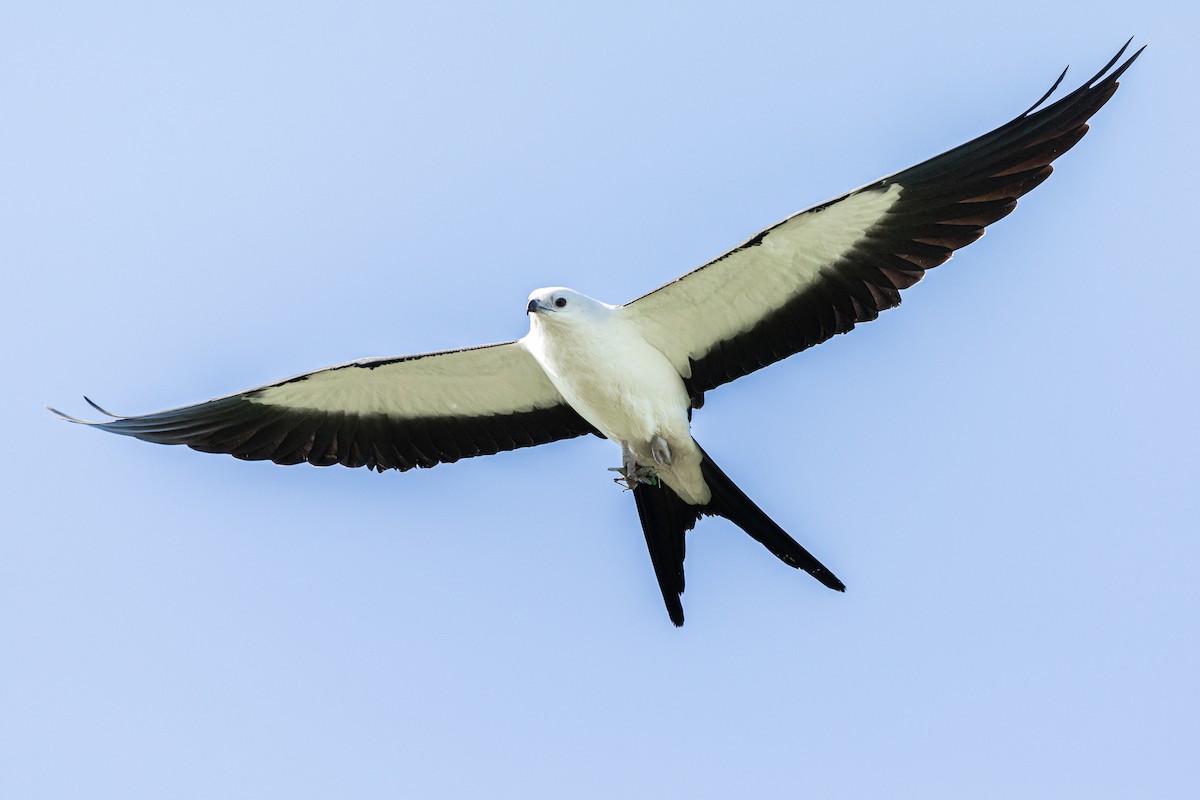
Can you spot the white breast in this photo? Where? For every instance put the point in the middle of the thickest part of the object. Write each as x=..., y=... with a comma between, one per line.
x=612, y=377
x=624, y=386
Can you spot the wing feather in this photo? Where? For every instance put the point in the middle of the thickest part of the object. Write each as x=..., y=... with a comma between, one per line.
x=399, y=413
x=826, y=269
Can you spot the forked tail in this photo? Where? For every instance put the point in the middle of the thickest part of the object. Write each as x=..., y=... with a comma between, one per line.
x=666, y=519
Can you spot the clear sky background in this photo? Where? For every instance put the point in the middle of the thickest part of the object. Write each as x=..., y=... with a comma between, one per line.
x=197, y=200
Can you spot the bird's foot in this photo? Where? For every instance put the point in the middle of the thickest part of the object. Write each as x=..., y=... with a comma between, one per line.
x=660, y=451
x=633, y=475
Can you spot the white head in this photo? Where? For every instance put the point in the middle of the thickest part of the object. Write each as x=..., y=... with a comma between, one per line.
x=557, y=305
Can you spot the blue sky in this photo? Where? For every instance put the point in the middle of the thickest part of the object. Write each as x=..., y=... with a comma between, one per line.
x=1003, y=471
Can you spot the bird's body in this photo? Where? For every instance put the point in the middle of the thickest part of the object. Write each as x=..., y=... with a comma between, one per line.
x=633, y=373
x=620, y=383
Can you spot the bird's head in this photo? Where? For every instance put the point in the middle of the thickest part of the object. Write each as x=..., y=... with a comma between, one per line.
x=557, y=305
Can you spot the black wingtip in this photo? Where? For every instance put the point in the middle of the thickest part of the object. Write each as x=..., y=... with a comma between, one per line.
x=67, y=417
x=92, y=403
x=1112, y=61
x=1119, y=71
x=1102, y=75
x=1049, y=92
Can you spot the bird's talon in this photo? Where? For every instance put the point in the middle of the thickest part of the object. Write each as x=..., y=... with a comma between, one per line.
x=646, y=475
x=633, y=476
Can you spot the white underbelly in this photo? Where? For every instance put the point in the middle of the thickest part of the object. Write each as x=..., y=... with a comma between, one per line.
x=631, y=393
x=625, y=388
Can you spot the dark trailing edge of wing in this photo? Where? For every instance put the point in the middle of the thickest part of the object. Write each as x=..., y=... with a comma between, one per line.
x=261, y=432
x=943, y=205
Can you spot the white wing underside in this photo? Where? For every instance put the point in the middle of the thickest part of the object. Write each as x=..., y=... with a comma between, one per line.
x=823, y=271
x=480, y=381
x=415, y=411
x=732, y=294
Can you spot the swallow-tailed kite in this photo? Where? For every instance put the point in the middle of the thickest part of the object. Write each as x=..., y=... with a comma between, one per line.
x=633, y=373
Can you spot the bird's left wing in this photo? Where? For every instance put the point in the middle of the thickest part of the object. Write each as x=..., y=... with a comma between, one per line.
x=388, y=413
x=820, y=272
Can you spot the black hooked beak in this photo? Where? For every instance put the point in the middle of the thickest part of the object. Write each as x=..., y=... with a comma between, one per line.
x=533, y=306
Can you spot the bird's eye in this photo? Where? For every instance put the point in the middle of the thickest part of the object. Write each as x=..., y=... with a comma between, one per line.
x=560, y=302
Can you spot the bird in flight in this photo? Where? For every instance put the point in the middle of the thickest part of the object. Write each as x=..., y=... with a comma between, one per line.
x=634, y=373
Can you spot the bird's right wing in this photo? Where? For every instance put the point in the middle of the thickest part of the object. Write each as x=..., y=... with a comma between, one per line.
x=824, y=270
x=388, y=413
